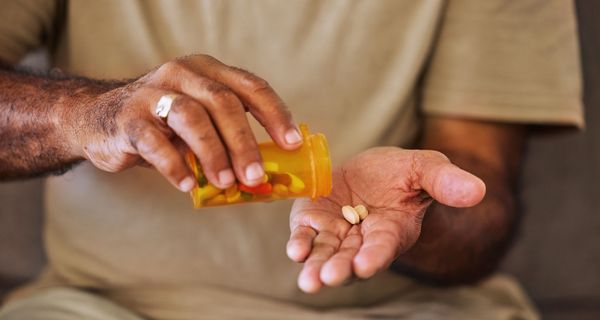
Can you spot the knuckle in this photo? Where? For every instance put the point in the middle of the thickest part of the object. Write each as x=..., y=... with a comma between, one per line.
x=139, y=92
x=171, y=68
x=216, y=89
x=200, y=56
x=144, y=139
x=178, y=108
x=148, y=143
x=184, y=111
x=135, y=129
x=251, y=81
x=221, y=96
x=207, y=58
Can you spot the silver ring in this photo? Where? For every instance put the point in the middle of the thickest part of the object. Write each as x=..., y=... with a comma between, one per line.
x=163, y=106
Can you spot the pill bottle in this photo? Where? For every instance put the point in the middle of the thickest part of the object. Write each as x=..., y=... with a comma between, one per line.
x=304, y=172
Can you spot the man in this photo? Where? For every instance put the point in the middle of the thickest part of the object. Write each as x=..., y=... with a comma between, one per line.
x=127, y=246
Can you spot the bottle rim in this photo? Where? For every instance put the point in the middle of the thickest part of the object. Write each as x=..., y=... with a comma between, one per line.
x=320, y=161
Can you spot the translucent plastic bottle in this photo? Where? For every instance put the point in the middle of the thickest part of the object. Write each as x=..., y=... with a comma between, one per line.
x=305, y=172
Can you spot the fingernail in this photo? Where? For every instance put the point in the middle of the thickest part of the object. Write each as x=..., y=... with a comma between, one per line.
x=187, y=184
x=292, y=136
x=226, y=177
x=254, y=171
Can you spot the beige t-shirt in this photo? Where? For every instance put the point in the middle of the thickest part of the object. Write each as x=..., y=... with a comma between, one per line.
x=358, y=71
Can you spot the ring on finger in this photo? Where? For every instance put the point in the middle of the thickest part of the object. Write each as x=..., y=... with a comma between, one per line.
x=164, y=104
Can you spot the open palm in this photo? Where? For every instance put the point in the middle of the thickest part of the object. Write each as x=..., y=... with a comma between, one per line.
x=397, y=186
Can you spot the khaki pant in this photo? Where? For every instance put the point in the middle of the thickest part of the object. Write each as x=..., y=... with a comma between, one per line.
x=497, y=298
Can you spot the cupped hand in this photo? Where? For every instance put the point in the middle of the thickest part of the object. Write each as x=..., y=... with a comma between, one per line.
x=119, y=128
x=396, y=186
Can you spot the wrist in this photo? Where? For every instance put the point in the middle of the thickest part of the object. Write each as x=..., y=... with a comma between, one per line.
x=67, y=116
x=77, y=120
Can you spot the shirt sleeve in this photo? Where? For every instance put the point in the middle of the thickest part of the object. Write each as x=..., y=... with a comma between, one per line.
x=515, y=61
x=25, y=25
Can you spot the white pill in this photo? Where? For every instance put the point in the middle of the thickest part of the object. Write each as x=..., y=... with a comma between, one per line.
x=350, y=214
x=362, y=211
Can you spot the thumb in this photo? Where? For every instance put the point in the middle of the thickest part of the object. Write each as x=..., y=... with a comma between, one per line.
x=445, y=182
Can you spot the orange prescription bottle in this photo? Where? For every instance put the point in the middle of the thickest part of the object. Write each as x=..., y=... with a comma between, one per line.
x=305, y=172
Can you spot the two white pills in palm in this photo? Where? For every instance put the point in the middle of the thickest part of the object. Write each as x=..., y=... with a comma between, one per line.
x=356, y=214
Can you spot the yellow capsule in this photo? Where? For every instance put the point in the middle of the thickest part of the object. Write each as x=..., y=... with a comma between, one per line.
x=220, y=199
x=231, y=190
x=280, y=190
x=296, y=184
x=196, y=198
x=235, y=198
x=207, y=192
x=233, y=194
x=271, y=166
x=265, y=178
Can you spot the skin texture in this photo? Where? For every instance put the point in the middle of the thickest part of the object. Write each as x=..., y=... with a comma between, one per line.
x=451, y=240
x=49, y=123
x=31, y=140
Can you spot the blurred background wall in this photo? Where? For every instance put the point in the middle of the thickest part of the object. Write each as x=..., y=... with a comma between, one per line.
x=557, y=254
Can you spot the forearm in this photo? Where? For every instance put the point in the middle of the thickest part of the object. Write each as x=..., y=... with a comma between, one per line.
x=460, y=245
x=34, y=136
x=466, y=244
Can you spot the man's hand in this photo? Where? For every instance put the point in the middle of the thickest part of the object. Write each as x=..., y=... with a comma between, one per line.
x=118, y=129
x=396, y=186
x=459, y=246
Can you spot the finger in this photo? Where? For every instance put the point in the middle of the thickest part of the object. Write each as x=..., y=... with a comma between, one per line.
x=445, y=182
x=228, y=114
x=262, y=100
x=338, y=268
x=381, y=244
x=154, y=147
x=300, y=243
x=190, y=121
x=324, y=246
x=265, y=105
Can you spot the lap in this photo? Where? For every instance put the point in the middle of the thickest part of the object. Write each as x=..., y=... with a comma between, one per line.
x=498, y=298
x=64, y=304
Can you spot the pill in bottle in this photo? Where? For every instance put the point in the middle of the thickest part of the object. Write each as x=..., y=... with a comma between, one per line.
x=304, y=172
